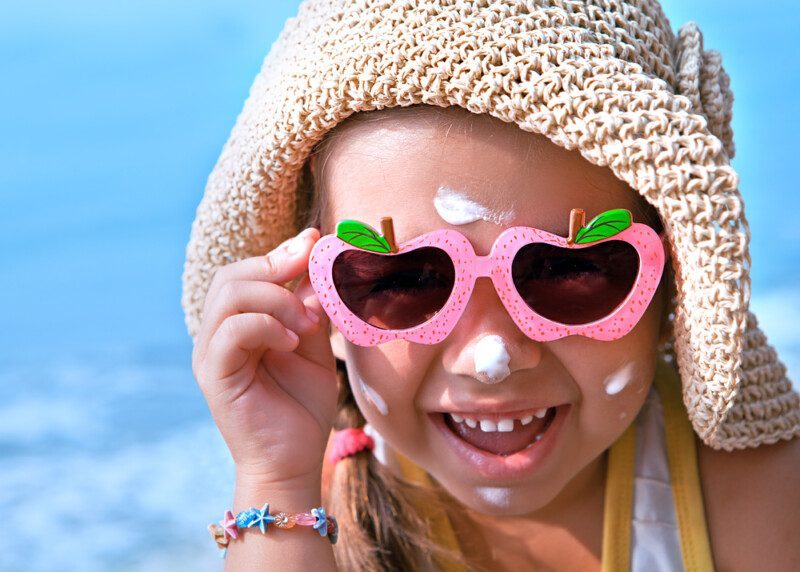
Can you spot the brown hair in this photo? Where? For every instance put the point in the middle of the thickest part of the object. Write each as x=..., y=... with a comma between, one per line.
x=380, y=528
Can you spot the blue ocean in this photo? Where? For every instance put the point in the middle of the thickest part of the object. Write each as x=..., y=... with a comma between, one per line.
x=111, y=118
x=109, y=461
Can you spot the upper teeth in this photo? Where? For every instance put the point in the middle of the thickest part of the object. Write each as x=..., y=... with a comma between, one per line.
x=503, y=425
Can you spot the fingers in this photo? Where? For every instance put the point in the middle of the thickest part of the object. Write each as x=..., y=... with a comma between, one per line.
x=239, y=337
x=258, y=338
x=251, y=285
x=282, y=264
x=242, y=297
x=315, y=345
x=305, y=292
x=247, y=311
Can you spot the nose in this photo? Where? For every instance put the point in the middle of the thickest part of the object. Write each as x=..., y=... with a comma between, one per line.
x=486, y=344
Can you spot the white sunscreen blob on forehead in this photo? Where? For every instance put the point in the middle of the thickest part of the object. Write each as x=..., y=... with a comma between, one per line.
x=457, y=208
x=491, y=359
x=620, y=379
x=373, y=396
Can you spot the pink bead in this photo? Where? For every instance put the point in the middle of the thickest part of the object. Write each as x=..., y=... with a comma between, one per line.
x=305, y=519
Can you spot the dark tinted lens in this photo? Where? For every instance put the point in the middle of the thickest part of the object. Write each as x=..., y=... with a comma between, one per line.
x=575, y=286
x=394, y=292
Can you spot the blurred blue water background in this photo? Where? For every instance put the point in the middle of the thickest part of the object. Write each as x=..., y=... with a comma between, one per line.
x=111, y=117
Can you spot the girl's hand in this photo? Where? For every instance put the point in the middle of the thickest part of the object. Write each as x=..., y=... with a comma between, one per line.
x=272, y=395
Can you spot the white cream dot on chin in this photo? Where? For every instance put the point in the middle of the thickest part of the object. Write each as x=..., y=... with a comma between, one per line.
x=499, y=497
x=456, y=208
x=372, y=396
x=491, y=359
x=620, y=379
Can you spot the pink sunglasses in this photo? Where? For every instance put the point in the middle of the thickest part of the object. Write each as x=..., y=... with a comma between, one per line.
x=597, y=283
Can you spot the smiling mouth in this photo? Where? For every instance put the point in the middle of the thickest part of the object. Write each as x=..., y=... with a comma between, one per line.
x=501, y=436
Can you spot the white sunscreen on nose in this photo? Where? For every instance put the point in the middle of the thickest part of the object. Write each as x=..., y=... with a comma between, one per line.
x=491, y=359
x=456, y=208
x=373, y=396
x=619, y=380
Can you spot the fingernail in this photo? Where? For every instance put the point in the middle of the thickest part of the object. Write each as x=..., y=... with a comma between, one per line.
x=291, y=335
x=312, y=316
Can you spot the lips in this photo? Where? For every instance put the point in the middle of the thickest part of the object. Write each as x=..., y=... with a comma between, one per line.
x=522, y=454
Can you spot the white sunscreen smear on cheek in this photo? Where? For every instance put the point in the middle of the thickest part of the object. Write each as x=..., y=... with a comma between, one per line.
x=456, y=208
x=495, y=496
x=491, y=359
x=373, y=396
x=619, y=380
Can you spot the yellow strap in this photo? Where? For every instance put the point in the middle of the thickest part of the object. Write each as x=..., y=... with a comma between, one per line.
x=441, y=528
x=618, y=503
x=684, y=474
x=684, y=477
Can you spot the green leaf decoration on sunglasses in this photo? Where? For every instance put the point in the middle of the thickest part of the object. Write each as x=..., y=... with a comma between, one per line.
x=604, y=225
x=362, y=236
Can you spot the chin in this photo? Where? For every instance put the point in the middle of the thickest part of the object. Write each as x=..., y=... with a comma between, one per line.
x=496, y=500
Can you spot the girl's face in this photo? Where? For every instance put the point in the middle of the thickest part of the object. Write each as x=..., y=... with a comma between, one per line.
x=483, y=175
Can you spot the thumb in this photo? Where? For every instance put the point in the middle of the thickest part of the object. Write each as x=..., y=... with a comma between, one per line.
x=315, y=346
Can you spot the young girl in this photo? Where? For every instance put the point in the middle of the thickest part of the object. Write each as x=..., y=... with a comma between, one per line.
x=544, y=358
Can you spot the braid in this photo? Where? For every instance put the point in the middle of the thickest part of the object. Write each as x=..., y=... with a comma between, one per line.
x=380, y=528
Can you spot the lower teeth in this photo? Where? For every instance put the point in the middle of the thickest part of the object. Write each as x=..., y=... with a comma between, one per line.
x=528, y=446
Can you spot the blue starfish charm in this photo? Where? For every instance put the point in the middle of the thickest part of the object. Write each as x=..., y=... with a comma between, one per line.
x=322, y=521
x=262, y=518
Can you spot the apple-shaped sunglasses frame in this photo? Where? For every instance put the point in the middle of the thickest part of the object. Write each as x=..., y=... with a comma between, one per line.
x=616, y=224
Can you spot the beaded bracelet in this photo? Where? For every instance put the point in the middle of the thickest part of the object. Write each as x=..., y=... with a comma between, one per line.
x=261, y=518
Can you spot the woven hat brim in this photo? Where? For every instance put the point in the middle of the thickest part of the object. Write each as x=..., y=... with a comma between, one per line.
x=566, y=84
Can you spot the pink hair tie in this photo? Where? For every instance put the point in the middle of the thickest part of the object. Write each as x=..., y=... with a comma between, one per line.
x=348, y=442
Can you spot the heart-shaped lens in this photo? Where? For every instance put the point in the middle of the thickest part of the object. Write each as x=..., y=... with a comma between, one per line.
x=394, y=291
x=575, y=285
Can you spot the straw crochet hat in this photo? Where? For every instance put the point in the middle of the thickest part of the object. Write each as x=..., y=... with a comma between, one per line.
x=608, y=78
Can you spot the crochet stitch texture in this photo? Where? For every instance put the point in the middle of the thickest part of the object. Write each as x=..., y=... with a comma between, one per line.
x=608, y=78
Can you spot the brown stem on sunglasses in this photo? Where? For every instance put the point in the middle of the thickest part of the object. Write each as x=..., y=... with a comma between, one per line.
x=387, y=228
x=577, y=219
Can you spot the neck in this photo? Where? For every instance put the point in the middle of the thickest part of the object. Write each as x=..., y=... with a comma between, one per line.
x=585, y=487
